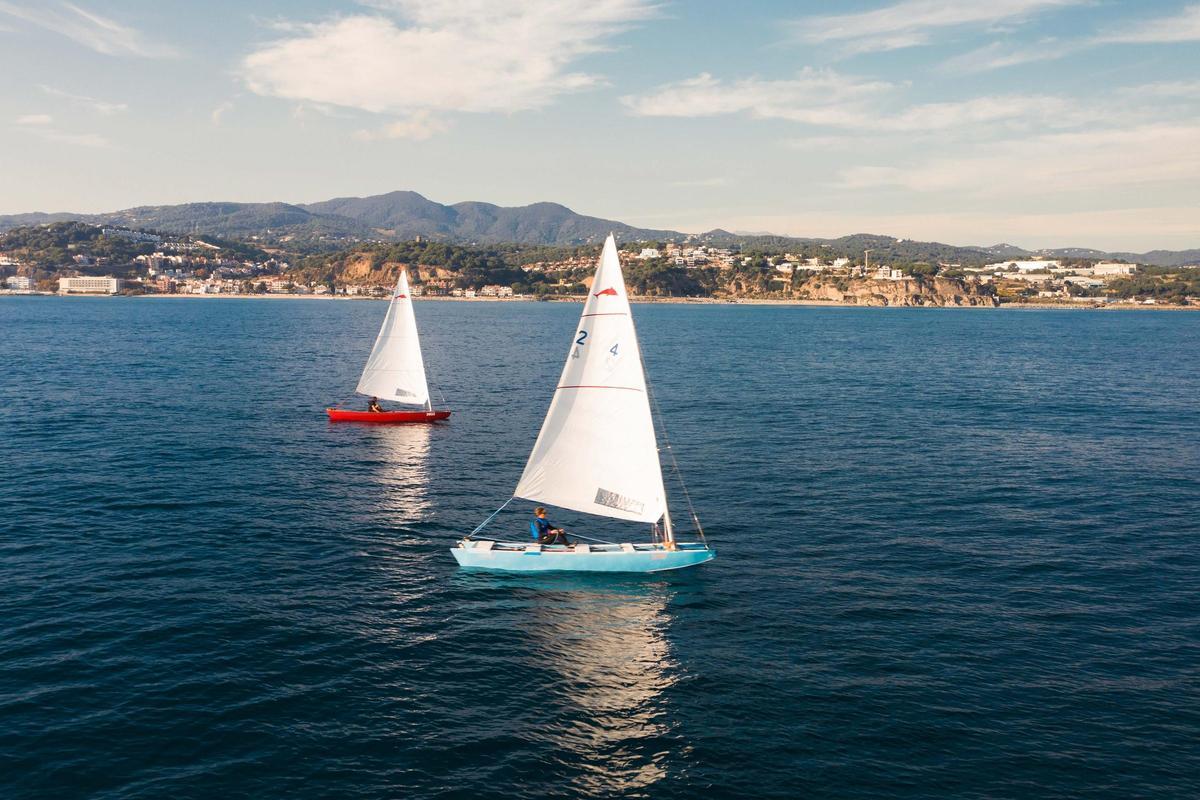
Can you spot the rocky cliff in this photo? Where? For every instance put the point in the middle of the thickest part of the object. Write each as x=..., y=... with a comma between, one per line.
x=910, y=291
x=361, y=269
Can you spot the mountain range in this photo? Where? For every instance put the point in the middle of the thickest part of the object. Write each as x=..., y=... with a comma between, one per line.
x=404, y=215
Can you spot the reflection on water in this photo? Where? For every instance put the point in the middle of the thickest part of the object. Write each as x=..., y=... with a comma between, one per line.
x=602, y=646
x=401, y=471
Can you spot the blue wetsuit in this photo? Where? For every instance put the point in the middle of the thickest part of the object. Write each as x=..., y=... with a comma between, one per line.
x=541, y=531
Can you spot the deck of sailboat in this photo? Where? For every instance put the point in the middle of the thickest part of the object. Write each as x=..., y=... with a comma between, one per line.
x=580, y=557
x=589, y=547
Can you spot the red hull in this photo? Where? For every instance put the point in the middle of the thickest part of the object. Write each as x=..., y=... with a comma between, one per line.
x=341, y=415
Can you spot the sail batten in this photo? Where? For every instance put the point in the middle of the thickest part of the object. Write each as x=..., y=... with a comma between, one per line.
x=395, y=369
x=597, y=451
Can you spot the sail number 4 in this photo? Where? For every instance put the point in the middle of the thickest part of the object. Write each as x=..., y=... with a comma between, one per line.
x=581, y=340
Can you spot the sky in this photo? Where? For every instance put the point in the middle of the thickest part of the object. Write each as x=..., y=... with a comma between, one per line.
x=1041, y=123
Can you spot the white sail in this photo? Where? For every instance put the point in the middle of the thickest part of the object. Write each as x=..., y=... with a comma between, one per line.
x=395, y=370
x=597, y=452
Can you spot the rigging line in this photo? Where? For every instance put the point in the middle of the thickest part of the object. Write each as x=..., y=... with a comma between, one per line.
x=662, y=423
x=432, y=380
x=590, y=538
x=483, y=524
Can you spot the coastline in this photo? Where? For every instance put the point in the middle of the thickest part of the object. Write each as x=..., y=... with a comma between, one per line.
x=756, y=301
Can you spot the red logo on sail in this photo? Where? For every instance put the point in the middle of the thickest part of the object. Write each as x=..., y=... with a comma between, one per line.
x=610, y=290
x=399, y=297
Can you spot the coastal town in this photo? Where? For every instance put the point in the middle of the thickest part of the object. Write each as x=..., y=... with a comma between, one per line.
x=113, y=261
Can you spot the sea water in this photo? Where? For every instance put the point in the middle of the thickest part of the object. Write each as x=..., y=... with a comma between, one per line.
x=957, y=557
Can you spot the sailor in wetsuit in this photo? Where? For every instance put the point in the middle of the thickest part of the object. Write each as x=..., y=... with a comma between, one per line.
x=543, y=531
x=374, y=405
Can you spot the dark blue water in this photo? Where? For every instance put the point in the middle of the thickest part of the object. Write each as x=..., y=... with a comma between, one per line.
x=958, y=557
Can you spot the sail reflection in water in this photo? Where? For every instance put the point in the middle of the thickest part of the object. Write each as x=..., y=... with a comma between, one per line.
x=604, y=652
x=400, y=472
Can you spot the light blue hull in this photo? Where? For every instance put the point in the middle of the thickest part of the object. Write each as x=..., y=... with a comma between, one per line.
x=614, y=558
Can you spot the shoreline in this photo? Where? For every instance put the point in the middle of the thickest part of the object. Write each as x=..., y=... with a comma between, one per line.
x=756, y=301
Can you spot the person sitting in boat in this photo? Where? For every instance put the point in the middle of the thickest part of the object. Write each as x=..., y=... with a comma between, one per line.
x=543, y=531
x=374, y=405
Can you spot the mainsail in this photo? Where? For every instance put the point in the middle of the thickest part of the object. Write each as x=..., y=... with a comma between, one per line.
x=395, y=370
x=597, y=451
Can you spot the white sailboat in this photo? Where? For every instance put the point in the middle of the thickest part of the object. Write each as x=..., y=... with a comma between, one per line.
x=597, y=452
x=395, y=369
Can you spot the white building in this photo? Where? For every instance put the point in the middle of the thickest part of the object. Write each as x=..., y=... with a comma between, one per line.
x=648, y=253
x=19, y=282
x=1114, y=268
x=88, y=285
x=133, y=236
x=1023, y=266
x=1028, y=277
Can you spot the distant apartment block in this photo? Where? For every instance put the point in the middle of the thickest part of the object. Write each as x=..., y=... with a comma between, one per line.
x=88, y=285
x=18, y=282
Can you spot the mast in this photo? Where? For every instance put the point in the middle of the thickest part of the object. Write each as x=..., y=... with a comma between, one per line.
x=668, y=528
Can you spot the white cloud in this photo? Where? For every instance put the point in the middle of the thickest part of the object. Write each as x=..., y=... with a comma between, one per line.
x=1184, y=89
x=912, y=22
x=816, y=97
x=220, y=111
x=99, y=106
x=1182, y=27
x=1018, y=110
x=998, y=55
x=830, y=99
x=822, y=143
x=1051, y=163
x=35, y=119
x=437, y=56
x=419, y=126
x=89, y=29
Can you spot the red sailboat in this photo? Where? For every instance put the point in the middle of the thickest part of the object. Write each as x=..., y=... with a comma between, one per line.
x=395, y=370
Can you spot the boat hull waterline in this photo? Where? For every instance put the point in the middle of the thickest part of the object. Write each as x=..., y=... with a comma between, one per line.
x=343, y=415
x=514, y=557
